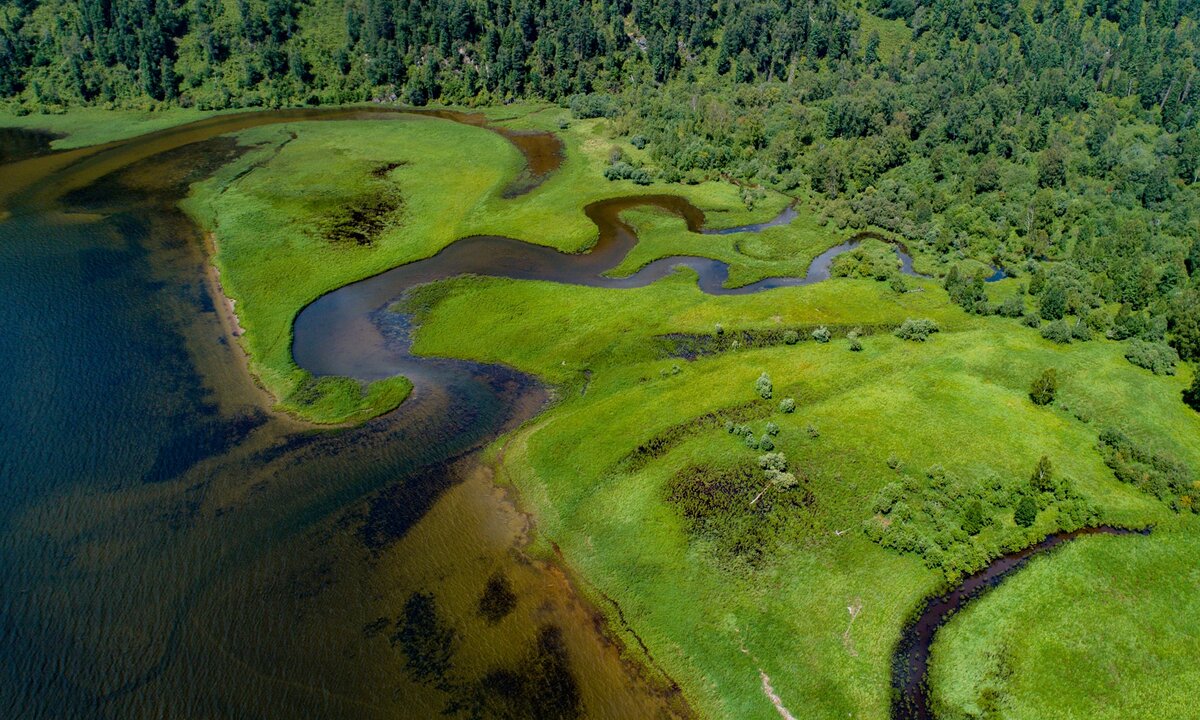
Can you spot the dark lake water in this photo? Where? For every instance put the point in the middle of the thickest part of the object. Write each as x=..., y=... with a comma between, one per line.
x=169, y=548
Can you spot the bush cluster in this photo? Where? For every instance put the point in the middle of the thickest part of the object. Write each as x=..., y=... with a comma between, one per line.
x=1155, y=473
x=1159, y=358
x=916, y=330
x=624, y=171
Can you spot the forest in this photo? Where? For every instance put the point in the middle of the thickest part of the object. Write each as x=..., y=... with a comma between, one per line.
x=1058, y=141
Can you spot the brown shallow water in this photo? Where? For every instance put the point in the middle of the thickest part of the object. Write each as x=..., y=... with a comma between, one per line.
x=170, y=549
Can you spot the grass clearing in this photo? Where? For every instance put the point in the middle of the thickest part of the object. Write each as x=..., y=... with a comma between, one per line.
x=84, y=126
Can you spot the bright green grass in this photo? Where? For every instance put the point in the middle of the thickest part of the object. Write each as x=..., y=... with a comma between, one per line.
x=94, y=126
x=785, y=250
x=892, y=33
x=958, y=400
x=265, y=211
x=1104, y=628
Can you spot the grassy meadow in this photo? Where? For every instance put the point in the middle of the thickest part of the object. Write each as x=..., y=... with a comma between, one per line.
x=713, y=621
x=270, y=213
x=84, y=126
x=1102, y=628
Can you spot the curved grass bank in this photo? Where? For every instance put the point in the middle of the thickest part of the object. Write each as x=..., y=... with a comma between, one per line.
x=1103, y=628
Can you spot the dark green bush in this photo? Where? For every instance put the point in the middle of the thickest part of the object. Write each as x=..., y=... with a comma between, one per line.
x=1026, y=513
x=787, y=405
x=1159, y=358
x=1044, y=387
x=1032, y=320
x=1191, y=396
x=1057, y=331
x=973, y=520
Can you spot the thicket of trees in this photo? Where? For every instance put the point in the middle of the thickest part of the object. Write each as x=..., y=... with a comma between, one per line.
x=1059, y=140
x=957, y=525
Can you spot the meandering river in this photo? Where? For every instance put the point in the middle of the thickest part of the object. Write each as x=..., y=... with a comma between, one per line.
x=169, y=548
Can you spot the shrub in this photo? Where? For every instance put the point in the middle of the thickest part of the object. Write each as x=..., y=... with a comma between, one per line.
x=1042, y=479
x=822, y=334
x=1013, y=307
x=1191, y=396
x=766, y=443
x=638, y=141
x=594, y=105
x=729, y=426
x=791, y=337
x=773, y=461
x=1054, y=302
x=973, y=520
x=787, y=405
x=1032, y=320
x=855, y=345
x=1057, y=331
x=1044, y=388
x=1026, y=512
x=763, y=386
x=624, y=171
x=772, y=428
x=1080, y=331
x=916, y=330
x=893, y=461
x=812, y=431
x=1158, y=358
x=751, y=442
x=719, y=329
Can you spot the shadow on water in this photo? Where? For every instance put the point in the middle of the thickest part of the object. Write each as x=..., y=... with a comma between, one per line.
x=19, y=143
x=910, y=663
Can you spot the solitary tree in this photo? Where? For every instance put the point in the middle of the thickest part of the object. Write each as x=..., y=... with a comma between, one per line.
x=1026, y=512
x=1044, y=388
x=973, y=518
x=1043, y=476
x=763, y=386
